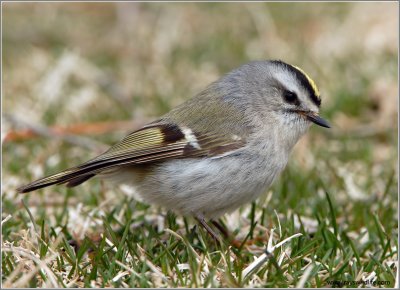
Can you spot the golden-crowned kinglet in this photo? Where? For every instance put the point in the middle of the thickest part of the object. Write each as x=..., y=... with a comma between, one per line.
x=216, y=151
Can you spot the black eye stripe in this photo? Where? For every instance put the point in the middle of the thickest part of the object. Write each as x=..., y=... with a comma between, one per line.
x=304, y=81
x=291, y=97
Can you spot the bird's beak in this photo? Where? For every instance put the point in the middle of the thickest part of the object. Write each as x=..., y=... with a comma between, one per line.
x=315, y=118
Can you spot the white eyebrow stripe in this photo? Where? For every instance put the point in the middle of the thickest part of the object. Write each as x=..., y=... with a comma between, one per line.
x=190, y=137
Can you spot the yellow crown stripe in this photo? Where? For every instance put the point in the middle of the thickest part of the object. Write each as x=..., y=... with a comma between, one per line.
x=310, y=80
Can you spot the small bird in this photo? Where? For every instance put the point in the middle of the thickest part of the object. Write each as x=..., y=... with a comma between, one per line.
x=216, y=151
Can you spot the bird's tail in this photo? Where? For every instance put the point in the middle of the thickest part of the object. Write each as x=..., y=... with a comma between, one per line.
x=70, y=177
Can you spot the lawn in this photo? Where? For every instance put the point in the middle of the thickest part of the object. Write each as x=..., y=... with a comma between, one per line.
x=77, y=77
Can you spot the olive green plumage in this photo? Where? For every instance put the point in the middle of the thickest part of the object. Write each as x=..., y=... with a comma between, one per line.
x=216, y=151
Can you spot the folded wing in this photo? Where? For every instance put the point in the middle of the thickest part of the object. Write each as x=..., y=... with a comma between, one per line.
x=154, y=143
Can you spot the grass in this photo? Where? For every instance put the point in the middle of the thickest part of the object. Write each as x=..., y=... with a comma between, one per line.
x=330, y=220
x=129, y=250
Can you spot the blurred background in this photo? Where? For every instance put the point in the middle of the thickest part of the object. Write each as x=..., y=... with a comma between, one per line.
x=84, y=63
x=79, y=76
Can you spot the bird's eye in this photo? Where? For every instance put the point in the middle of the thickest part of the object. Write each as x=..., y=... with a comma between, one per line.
x=290, y=97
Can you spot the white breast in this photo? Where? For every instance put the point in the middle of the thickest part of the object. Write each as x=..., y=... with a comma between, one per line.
x=211, y=186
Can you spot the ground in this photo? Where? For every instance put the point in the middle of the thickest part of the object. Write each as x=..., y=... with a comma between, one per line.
x=77, y=77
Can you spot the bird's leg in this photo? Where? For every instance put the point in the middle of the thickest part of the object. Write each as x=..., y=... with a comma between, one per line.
x=221, y=228
x=200, y=218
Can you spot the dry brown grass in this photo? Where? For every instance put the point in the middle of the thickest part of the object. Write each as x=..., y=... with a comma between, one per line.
x=71, y=65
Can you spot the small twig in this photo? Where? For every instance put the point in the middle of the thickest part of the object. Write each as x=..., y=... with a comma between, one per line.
x=48, y=132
